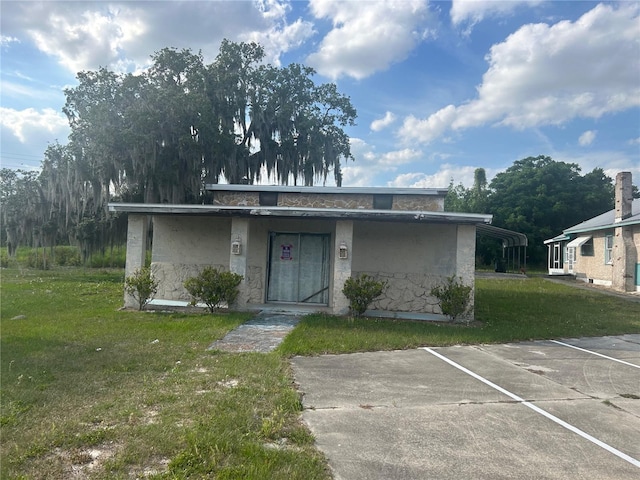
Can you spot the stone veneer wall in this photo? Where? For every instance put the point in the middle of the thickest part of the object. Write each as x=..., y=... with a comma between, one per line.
x=331, y=200
x=406, y=292
x=255, y=284
x=418, y=202
x=171, y=278
x=237, y=199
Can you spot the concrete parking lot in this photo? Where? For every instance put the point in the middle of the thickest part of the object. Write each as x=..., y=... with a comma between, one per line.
x=536, y=410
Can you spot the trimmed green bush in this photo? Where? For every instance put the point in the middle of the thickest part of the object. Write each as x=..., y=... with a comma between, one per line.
x=213, y=287
x=361, y=291
x=141, y=286
x=454, y=297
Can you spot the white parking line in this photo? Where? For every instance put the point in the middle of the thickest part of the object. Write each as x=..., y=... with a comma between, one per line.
x=515, y=397
x=595, y=353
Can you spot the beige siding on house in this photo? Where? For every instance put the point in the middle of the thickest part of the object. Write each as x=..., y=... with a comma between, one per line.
x=593, y=268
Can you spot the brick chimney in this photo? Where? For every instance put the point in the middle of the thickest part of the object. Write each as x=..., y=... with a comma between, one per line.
x=624, y=196
x=625, y=254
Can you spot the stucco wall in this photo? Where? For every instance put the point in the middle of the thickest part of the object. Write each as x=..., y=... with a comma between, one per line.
x=330, y=200
x=183, y=246
x=412, y=258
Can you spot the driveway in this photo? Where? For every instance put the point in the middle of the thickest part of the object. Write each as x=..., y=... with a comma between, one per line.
x=535, y=410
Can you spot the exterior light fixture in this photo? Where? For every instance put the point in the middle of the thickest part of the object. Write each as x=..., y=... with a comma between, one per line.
x=236, y=246
x=343, y=252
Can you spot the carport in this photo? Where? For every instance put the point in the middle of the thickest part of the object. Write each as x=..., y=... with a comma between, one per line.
x=514, y=246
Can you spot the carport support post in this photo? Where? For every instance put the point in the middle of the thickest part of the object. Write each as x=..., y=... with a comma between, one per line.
x=342, y=266
x=466, y=260
x=137, y=231
x=238, y=261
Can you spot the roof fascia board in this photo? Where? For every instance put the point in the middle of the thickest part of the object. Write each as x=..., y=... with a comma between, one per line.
x=366, y=214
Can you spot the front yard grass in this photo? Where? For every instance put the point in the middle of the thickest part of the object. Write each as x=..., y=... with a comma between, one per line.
x=92, y=392
x=507, y=310
x=89, y=391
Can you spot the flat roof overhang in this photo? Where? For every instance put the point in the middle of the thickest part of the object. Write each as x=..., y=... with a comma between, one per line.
x=324, y=190
x=295, y=212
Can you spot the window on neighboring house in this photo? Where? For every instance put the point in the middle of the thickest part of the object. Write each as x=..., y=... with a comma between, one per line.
x=586, y=249
x=608, y=249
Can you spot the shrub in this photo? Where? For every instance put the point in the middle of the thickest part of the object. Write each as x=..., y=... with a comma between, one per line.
x=213, y=287
x=67, y=256
x=361, y=291
x=39, y=258
x=454, y=297
x=141, y=286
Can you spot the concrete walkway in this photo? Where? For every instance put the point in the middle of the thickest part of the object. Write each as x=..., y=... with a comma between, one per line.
x=262, y=333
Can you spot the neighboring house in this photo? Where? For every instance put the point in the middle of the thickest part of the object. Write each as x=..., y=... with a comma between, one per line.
x=296, y=246
x=603, y=250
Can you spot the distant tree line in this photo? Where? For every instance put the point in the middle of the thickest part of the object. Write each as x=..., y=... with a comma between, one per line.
x=536, y=196
x=160, y=136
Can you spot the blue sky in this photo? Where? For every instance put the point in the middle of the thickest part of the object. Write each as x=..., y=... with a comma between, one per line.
x=441, y=88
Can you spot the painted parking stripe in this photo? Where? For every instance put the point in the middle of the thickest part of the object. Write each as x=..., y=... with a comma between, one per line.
x=595, y=353
x=537, y=409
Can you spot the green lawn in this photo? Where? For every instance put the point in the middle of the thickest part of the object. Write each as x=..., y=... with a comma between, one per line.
x=94, y=392
x=102, y=393
x=507, y=310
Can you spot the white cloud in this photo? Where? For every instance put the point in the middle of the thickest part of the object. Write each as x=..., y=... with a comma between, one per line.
x=427, y=130
x=383, y=122
x=446, y=174
x=87, y=35
x=6, y=40
x=610, y=161
x=22, y=123
x=370, y=164
x=472, y=12
x=25, y=135
x=279, y=39
x=549, y=75
x=634, y=141
x=399, y=157
x=367, y=37
x=587, y=138
x=440, y=179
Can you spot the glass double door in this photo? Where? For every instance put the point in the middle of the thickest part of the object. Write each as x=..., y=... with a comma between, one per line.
x=298, y=268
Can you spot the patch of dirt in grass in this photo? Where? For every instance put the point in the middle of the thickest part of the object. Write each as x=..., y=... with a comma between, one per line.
x=232, y=383
x=156, y=466
x=149, y=417
x=79, y=462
